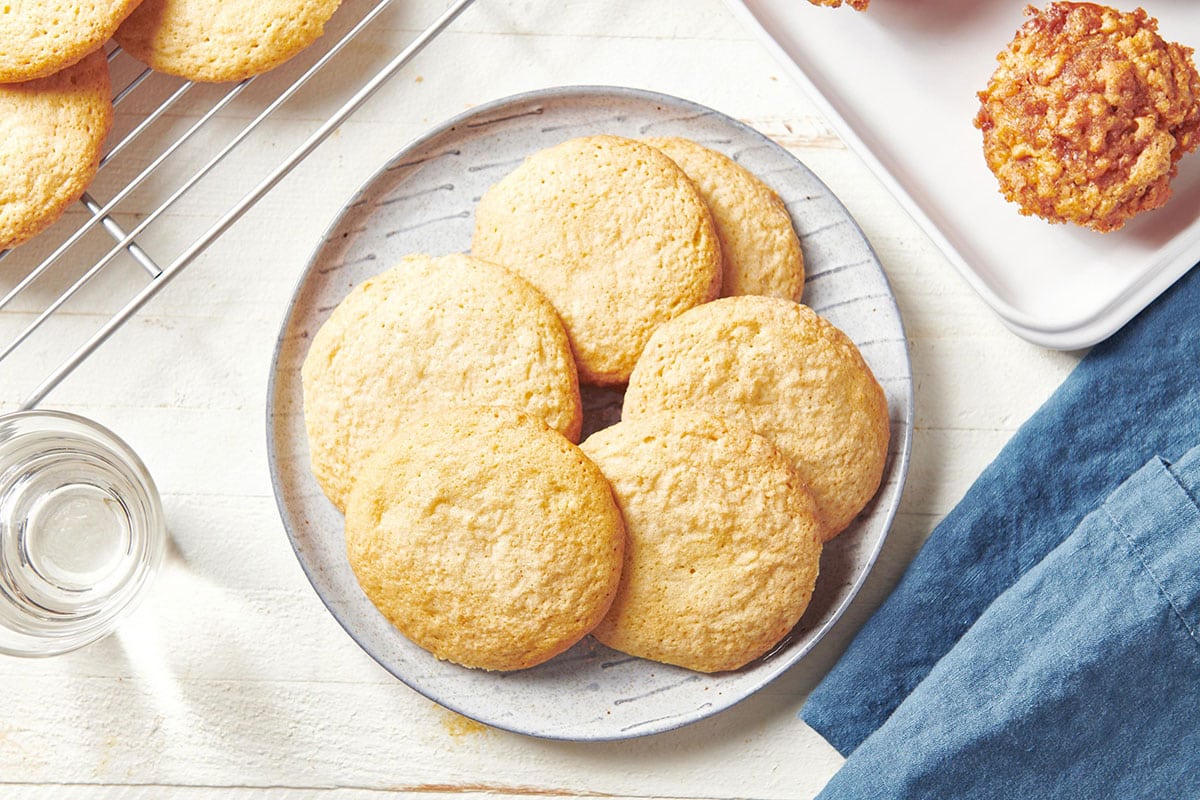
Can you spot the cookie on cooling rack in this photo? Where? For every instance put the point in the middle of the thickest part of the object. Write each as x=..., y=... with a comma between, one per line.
x=786, y=373
x=222, y=40
x=723, y=540
x=54, y=134
x=1087, y=115
x=485, y=537
x=40, y=38
x=760, y=252
x=614, y=233
x=451, y=330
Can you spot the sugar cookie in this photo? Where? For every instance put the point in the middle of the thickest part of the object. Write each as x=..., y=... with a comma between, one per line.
x=485, y=537
x=614, y=234
x=452, y=330
x=52, y=134
x=40, y=38
x=222, y=40
x=723, y=540
x=788, y=374
x=760, y=252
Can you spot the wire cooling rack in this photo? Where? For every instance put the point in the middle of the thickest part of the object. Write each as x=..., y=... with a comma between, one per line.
x=170, y=139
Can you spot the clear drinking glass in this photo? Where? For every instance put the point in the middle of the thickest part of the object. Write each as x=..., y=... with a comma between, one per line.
x=81, y=532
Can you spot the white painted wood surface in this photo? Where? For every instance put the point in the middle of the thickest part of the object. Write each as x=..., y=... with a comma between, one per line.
x=232, y=681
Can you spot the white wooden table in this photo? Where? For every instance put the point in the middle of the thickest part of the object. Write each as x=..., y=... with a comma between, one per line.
x=232, y=680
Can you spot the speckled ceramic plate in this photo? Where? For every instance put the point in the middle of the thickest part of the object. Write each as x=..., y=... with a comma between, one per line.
x=423, y=201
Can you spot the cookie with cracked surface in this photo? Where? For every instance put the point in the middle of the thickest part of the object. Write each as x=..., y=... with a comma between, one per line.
x=222, y=40
x=485, y=537
x=1087, y=115
x=431, y=331
x=760, y=252
x=786, y=373
x=40, y=38
x=723, y=540
x=614, y=233
x=52, y=133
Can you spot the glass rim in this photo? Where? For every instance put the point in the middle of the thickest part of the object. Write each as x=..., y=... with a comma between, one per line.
x=30, y=630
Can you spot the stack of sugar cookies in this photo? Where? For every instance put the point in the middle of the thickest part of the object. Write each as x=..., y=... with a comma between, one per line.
x=55, y=108
x=442, y=403
x=56, y=94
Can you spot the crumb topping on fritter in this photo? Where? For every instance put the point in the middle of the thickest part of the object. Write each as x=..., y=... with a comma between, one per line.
x=1088, y=113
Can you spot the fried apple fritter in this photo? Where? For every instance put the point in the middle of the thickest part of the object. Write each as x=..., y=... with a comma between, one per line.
x=1088, y=113
x=857, y=5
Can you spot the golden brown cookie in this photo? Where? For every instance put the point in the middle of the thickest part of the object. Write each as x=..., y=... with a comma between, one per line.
x=52, y=134
x=614, y=234
x=723, y=540
x=222, y=40
x=760, y=252
x=1087, y=115
x=786, y=373
x=451, y=330
x=39, y=38
x=485, y=537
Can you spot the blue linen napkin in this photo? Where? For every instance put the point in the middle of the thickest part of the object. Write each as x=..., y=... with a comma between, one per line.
x=1082, y=680
x=1134, y=396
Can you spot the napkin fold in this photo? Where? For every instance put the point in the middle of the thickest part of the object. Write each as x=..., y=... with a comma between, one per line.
x=1133, y=397
x=1082, y=680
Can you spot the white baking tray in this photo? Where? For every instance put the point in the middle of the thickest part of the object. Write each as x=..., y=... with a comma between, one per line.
x=899, y=84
